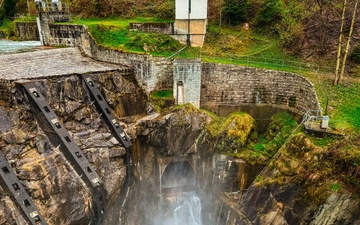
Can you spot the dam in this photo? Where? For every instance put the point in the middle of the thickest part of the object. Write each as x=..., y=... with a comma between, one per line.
x=76, y=105
x=82, y=136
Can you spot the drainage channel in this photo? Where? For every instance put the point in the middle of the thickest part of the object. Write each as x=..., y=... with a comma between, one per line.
x=103, y=108
x=59, y=136
x=11, y=184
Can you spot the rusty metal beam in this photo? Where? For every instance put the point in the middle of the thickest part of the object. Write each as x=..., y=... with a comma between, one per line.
x=11, y=184
x=60, y=137
x=113, y=124
x=103, y=108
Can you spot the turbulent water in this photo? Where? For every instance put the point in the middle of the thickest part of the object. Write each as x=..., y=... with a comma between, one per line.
x=7, y=46
x=184, y=209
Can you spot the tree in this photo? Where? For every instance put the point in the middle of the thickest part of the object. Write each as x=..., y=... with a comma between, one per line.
x=338, y=77
x=338, y=56
x=269, y=13
x=8, y=10
x=348, y=42
x=235, y=11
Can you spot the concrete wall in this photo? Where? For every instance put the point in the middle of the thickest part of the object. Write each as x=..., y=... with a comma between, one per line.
x=198, y=9
x=27, y=31
x=239, y=85
x=197, y=31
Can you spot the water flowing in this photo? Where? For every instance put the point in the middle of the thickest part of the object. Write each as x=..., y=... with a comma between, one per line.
x=185, y=208
x=7, y=46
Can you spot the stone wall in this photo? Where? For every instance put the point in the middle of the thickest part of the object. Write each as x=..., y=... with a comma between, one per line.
x=152, y=73
x=162, y=28
x=27, y=31
x=220, y=84
x=5, y=90
x=68, y=35
x=187, y=81
x=238, y=85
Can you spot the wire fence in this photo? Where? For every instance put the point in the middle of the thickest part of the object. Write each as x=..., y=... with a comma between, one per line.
x=266, y=62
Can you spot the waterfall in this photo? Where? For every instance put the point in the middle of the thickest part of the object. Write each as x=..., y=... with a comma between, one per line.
x=185, y=208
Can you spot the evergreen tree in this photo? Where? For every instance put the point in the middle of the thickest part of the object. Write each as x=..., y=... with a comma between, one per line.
x=269, y=13
x=235, y=11
x=8, y=10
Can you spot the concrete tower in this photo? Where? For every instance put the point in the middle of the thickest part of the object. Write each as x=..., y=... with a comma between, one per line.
x=190, y=21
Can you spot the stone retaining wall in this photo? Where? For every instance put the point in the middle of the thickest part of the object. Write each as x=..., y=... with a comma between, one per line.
x=162, y=28
x=67, y=35
x=220, y=84
x=27, y=31
x=239, y=85
x=152, y=73
x=5, y=90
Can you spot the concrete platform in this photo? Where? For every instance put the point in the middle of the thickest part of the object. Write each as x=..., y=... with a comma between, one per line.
x=49, y=63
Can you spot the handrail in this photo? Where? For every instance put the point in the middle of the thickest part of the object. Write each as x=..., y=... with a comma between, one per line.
x=177, y=52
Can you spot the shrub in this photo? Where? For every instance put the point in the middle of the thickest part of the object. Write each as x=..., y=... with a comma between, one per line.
x=355, y=55
x=8, y=28
x=269, y=13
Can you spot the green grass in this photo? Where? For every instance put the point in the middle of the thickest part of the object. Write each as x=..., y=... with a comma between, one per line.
x=9, y=29
x=114, y=33
x=162, y=94
x=26, y=18
x=343, y=100
x=116, y=22
x=162, y=99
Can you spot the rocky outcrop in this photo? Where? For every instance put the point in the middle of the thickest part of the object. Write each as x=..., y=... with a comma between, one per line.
x=62, y=197
x=339, y=209
x=285, y=204
x=56, y=189
x=176, y=133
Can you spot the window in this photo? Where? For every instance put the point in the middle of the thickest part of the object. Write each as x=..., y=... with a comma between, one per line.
x=26, y=203
x=5, y=170
x=46, y=109
x=78, y=154
x=67, y=138
x=16, y=187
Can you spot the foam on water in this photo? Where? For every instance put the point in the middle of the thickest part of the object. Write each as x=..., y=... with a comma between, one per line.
x=7, y=46
x=185, y=210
